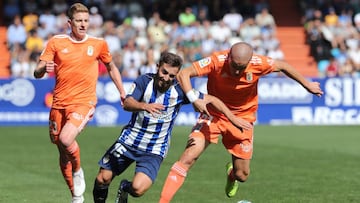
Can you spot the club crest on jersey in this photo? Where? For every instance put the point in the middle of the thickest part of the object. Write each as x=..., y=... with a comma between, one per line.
x=90, y=50
x=204, y=62
x=249, y=77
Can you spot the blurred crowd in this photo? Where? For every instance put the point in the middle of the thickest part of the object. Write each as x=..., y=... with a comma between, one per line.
x=137, y=33
x=332, y=29
x=138, y=30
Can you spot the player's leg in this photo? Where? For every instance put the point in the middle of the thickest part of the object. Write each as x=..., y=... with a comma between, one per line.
x=72, y=151
x=178, y=172
x=203, y=133
x=56, y=119
x=241, y=170
x=146, y=171
x=101, y=185
x=76, y=119
x=237, y=171
x=136, y=188
x=112, y=163
x=66, y=168
x=240, y=145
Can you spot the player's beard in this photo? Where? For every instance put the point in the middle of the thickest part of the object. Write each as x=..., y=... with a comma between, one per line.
x=162, y=85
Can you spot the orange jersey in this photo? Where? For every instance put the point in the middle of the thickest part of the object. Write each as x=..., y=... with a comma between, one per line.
x=76, y=72
x=238, y=93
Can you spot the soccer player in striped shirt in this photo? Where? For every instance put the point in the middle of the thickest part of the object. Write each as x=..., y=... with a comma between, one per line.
x=155, y=100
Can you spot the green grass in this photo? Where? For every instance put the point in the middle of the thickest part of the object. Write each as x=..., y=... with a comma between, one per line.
x=291, y=164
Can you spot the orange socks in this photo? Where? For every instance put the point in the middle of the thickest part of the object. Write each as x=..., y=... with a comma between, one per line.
x=174, y=181
x=71, y=165
x=73, y=152
x=66, y=170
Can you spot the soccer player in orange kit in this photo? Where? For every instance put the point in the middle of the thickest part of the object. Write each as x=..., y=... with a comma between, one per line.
x=74, y=60
x=233, y=77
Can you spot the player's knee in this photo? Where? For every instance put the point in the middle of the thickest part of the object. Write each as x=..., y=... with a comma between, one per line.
x=65, y=141
x=242, y=175
x=103, y=179
x=136, y=191
x=188, y=159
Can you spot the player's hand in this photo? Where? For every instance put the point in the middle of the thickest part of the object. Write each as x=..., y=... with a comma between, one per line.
x=314, y=88
x=200, y=106
x=154, y=108
x=122, y=98
x=241, y=123
x=50, y=66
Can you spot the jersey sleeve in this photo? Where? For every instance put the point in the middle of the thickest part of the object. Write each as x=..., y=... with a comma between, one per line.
x=138, y=88
x=48, y=53
x=105, y=55
x=206, y=65
x=267, y=63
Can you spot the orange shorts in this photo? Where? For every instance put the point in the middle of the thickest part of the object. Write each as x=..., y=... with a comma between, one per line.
x=77, y=115
x=238, y=143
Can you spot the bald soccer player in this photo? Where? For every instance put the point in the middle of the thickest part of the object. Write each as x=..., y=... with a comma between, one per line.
x=233, y=77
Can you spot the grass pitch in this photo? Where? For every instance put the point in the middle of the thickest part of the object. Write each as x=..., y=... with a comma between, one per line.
x=291, y=164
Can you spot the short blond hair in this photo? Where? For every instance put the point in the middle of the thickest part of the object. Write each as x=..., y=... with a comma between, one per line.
x=77, y=8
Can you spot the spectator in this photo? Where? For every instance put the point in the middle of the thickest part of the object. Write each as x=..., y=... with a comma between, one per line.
x=187, y=17
x=202, y=14
x=346, y=69
x=96, y=22
x=356, y=20
x=156, y=30
x=16, y=33
x=250, y=31
x=48, y=21
x=126, y=32
x=264, y=19
x=332, y=70
x=131, y=60
x=61, y=23
x=331, y=18
x=59, y=6
x=20, y=68
x=34, y=44
x=111, y=37
x=149, y=65
x=276, y=53
x=233, y=20
x=221, y=32
x=30, y=21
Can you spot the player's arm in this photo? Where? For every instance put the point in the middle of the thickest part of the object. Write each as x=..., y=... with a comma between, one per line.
x=291, y=72
x=133, y=105
x=116, y=78
x=183, y=78
x=220, y=106
x=44, y=67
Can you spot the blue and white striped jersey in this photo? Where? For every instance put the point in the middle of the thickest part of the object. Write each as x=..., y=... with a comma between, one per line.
x=150, y=133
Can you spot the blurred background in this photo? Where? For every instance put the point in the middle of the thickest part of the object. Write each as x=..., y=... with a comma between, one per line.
x=318, y=37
